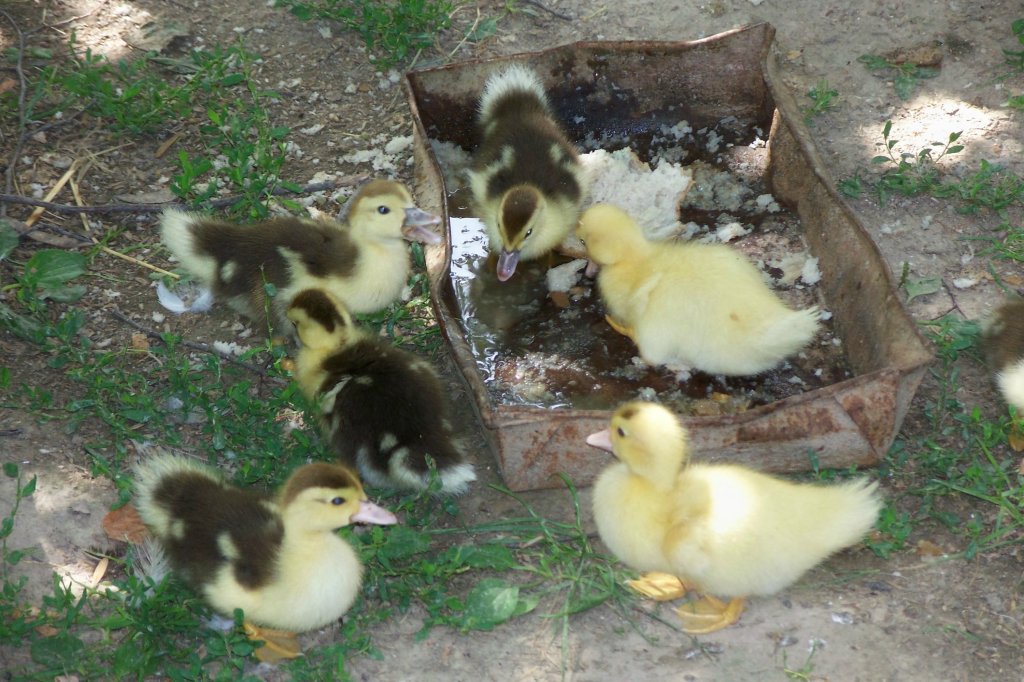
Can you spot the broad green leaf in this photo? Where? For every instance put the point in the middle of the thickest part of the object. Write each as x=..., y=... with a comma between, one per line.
x=922, y=287
x=28, y=488
x=8, y=238
x=485, y=29
x=50, y=268
x=403, y=542
x=10, y=469
x=492, y=602
x=904, y=86
x=62, y=651
x=232, y=79
x=64, y=294
x=495, y=557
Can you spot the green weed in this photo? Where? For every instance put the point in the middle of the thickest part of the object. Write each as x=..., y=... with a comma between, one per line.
x=393, y=32
x=1015, y=58
x=10, y=557
x=964, y=454
x=803, y=673
x=911, y=174
x=906, y=76
x=45, y=276
x=822, y=99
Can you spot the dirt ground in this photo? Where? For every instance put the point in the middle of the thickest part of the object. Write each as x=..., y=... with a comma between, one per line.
x=910, y=617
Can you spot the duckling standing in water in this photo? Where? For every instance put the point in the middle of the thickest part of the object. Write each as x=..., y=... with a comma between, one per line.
x=383, y=408
x=363, y=261
x=279, y=560
x=703, y=306
x=526, y=178
x=1003, y=341
x=715, y=528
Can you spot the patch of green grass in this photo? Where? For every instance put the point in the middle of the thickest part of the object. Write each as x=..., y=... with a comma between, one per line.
x=963, y=454
x=1015, y=58
x=1008, y=245
x=823, y=99
x=909, y=174
x=473, y=578
x=393, y=32
x=803, y=673
x=240, y=149
x=906, y=76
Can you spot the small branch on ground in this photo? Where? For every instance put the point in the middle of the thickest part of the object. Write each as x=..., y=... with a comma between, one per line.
x=22, y=89
x=346, y=181
x=547, y=9
x=201, y=347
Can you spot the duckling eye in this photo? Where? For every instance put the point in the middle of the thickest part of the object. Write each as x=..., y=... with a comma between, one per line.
x=621, y=432
x=383, y=210
x=528, y=233
x=338, y=501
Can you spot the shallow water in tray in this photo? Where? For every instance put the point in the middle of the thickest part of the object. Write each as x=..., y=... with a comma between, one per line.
x=532, y=348
x=531, y=351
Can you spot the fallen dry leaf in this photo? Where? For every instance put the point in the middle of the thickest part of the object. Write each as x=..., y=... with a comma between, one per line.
x=926, y=548
x=925, y=54
x=99, y=572
x=46, y=630
x=6, y=84
x=140, y=341
x=125, y=525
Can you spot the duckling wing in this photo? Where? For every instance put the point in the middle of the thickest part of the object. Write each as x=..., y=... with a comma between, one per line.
x=387, y=414
x=207, y=526
x=758, y=534
x=712, y=310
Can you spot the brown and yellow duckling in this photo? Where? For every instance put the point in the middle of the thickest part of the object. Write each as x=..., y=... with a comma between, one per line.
x=718, y=529
x=383, y=408
x=526, y=177
x=363, y=260
x=1003, y=341
x=277, y=559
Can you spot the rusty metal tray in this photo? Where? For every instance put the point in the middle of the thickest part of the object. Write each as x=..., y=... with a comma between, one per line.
x=851, y=422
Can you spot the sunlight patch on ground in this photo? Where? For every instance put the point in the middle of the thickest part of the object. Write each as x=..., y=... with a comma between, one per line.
x=930, y=118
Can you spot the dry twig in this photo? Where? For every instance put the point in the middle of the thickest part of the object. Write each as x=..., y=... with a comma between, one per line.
x=201, y=347
x=22, y=89
x=346, y=181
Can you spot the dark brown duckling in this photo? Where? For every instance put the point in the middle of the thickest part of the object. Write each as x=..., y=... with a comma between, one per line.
x=383, y=408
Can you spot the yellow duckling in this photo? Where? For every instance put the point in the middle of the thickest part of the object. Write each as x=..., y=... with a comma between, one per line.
x=718, y=529
x=1004, y=346
x=383, y=408
x=704, y=306
x=279, y=560
x=526, y=178
x=363, y=261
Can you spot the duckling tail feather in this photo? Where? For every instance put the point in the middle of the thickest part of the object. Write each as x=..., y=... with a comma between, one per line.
x=178, y=231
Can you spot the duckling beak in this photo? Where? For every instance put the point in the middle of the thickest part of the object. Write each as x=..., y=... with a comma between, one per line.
x=507, y=262
x=371, y=513
x=416, y=227
x=601, y=439
x=592, y=268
